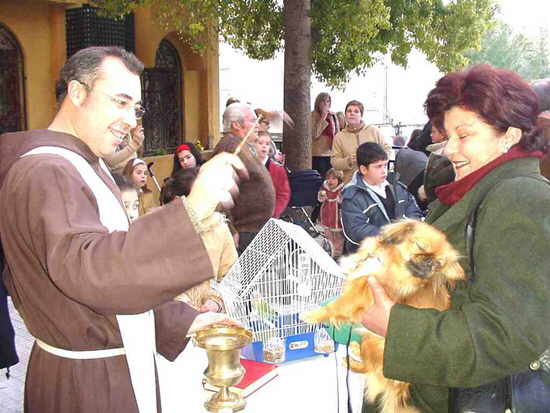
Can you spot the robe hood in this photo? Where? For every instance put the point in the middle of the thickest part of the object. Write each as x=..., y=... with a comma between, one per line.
x=13, y=145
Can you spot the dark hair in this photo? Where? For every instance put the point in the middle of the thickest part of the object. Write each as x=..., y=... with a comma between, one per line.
x=355, y=103
x=415, y=134
x=84, y=65
x=179, y=184
x=123, y=183
x=231, y=100
x=542, y=89
x=320, y=97
x=500, y=97
x=422, y=140
x=194, y=151
x=339, y=175
x=129, y=170
x=370, y=152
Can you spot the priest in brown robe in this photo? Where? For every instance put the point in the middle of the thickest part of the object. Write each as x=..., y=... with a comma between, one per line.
x=71, y=276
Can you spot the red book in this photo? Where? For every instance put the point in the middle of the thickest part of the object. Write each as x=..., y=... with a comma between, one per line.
x=257, y=375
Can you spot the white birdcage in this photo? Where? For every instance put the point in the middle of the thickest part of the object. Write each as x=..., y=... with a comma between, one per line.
x=281, y=274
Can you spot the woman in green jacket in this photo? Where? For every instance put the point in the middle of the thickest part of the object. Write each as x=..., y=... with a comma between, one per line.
x=498, y=321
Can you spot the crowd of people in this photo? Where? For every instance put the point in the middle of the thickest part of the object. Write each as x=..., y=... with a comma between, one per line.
x=88, y=276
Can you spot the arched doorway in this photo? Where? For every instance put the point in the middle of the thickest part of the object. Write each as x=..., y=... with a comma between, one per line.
x=12, y=90
x=162, y=97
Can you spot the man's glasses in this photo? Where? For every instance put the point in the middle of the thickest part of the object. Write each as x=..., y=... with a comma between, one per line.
x=120, y=102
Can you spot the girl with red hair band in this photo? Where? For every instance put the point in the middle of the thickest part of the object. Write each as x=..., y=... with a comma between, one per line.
x=490, y=348
x=186, y=156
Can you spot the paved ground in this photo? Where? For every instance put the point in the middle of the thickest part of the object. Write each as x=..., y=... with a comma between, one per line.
x=11, y=391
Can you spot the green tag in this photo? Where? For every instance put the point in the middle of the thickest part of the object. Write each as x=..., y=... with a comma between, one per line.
x=341, y=335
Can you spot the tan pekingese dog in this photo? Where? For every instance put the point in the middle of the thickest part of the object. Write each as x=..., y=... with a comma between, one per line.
x=415, y=264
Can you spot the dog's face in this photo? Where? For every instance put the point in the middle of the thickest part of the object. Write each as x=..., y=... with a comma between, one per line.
x=411, y=254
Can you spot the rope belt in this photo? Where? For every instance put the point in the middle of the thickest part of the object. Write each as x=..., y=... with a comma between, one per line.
x=80, y=355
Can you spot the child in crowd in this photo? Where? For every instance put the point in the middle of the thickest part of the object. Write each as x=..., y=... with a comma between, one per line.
x=329, y=216
x=130, y=197
x=136, y=173
x=179, y=184
x=186, y=156
x=277, y=172
x=203, y=297
x=371, y=201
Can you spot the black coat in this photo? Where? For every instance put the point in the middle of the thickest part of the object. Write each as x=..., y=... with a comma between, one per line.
x=422, y=140
x=8, y=356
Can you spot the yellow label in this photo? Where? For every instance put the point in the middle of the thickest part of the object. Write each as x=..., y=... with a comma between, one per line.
x=298, y=345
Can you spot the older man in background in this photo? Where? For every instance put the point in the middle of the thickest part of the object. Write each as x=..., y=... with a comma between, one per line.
x=256, y=201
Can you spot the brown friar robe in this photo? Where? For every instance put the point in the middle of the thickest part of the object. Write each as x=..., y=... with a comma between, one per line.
x=68, y=276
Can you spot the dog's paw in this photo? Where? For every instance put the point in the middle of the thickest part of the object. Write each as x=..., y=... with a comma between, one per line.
x=313, y=317
x=355, y=349
x=357, y=366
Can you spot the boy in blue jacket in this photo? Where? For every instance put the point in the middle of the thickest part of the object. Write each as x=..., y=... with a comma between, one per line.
x=373, y=198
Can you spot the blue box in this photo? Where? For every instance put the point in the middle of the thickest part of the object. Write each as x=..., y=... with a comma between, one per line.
x=297, y=347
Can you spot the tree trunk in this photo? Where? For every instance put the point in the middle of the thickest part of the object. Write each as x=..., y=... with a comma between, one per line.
x=297, y=78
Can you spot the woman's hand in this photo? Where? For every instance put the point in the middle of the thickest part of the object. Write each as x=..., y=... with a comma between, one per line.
x=377, y=317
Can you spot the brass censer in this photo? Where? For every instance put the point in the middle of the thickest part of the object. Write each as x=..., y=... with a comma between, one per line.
x=223, y=344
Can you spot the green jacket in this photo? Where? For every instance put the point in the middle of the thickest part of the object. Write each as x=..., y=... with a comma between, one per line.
x=498, y=323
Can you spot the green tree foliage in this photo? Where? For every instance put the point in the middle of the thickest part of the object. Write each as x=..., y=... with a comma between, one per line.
x=502, y=47
x=538, y=61
x=348, y=35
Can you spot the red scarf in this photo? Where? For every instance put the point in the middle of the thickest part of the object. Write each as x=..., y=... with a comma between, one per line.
x=451, y=193
x=330, y=130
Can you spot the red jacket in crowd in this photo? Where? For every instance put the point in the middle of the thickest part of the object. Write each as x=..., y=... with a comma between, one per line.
x=281, y=185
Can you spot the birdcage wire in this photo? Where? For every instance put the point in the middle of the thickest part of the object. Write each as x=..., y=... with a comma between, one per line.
x=281, y=274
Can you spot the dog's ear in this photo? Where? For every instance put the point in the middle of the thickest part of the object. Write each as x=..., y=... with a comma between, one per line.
x=397, y=233
x=453, y=271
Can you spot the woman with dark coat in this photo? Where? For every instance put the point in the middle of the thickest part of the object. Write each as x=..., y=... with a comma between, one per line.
x=8, y=355
x=497, y=325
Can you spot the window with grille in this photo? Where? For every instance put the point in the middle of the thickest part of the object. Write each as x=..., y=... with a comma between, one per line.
x=85, y=28
x=12, y=90
x=162, y=98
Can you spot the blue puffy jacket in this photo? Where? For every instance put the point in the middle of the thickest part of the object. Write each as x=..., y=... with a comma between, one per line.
x=363, y=213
